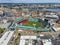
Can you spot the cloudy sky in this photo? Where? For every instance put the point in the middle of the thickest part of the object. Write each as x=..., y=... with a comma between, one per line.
x=29, y=1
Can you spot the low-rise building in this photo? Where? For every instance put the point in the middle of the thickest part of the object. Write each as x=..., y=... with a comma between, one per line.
x=51, y=17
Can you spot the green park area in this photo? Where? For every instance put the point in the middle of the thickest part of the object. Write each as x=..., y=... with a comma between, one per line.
x=1, y=31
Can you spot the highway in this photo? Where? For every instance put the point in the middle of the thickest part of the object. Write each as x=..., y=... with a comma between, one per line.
x=6, y=37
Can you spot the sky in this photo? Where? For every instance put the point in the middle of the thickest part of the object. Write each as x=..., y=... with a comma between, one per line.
x=29, y=1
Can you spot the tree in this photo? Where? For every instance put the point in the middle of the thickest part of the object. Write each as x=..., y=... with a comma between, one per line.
x=1, y=30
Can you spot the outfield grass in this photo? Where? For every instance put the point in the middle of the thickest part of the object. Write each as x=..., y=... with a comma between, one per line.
x=30, y=23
